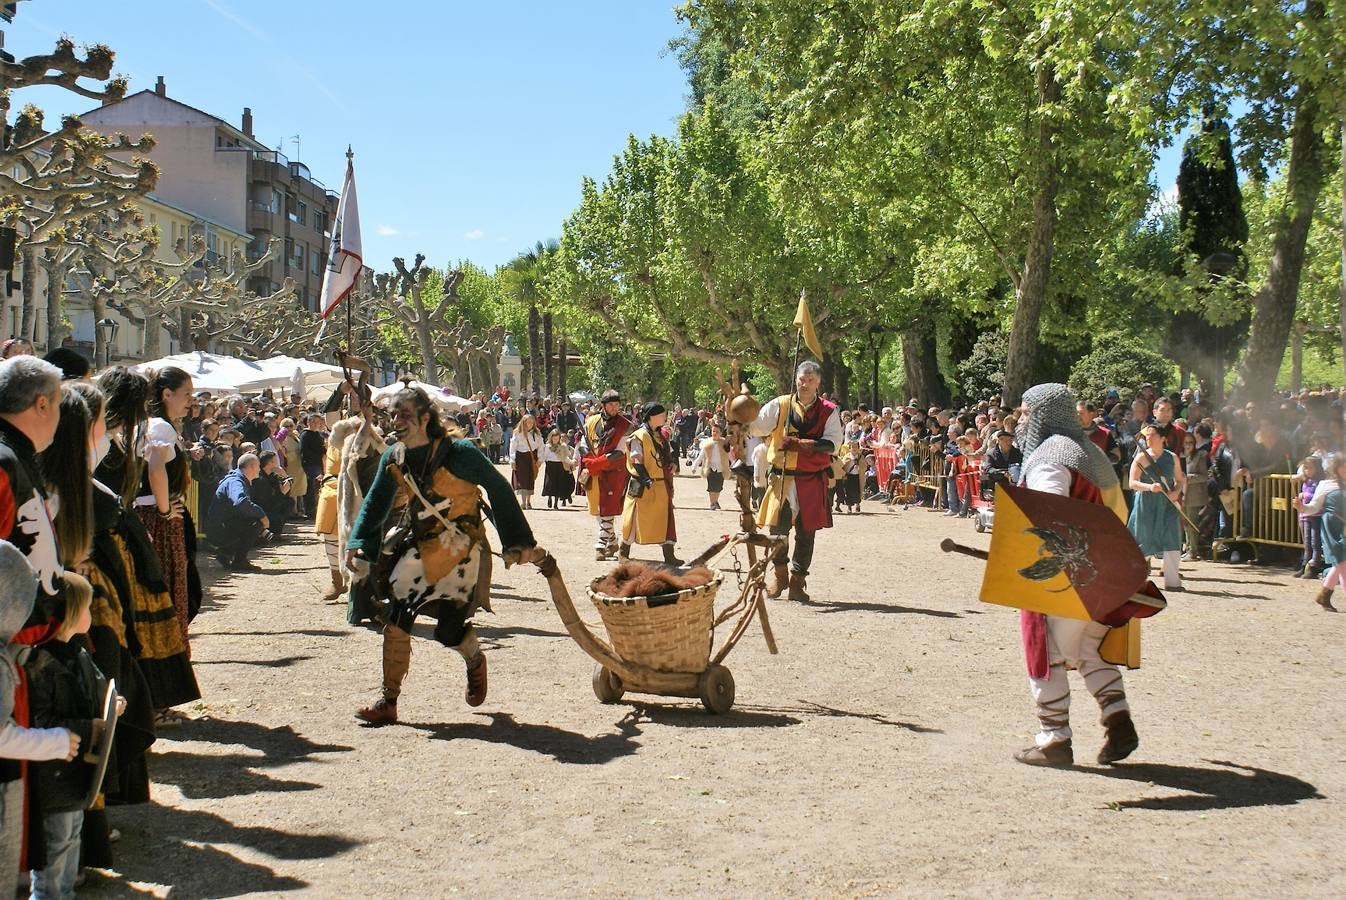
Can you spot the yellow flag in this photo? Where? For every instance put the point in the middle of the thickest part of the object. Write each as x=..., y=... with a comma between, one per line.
x=804, y=322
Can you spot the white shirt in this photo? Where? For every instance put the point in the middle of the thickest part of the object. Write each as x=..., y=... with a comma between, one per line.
x=159, y=443
x=1050, y=478
x=530, y=442
x=766, y=423
x=1315, y=506
x=711, y=458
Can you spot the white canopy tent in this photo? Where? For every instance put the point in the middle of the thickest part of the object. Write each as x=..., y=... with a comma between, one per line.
x=228, y=374
x=443, y=399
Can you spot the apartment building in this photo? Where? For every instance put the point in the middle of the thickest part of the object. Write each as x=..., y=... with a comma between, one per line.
x=232, y=184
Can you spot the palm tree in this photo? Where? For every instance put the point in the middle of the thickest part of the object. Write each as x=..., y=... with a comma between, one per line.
x=529, y=268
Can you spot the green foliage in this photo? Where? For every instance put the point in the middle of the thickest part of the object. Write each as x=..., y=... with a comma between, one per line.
x=982, y=374
x=1122, y=362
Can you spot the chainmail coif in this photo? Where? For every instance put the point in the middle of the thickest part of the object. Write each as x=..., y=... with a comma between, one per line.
x=1050, y=432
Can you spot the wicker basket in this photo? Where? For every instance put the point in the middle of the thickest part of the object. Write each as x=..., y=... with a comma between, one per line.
x=668, y=632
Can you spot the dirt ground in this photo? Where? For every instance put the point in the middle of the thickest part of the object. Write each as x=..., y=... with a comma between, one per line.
x=872, y=756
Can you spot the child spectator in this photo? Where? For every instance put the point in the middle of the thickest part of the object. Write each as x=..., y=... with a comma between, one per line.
x=64, y=690
x=712, y=460
x=852, y=464
x=1310, y=523
x=18, y=742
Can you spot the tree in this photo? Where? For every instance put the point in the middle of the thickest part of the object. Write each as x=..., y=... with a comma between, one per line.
x=1215, y=230
x=1119, y=361
x=49, y=182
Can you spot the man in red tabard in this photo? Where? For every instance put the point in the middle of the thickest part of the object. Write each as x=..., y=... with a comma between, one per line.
x=603, y=469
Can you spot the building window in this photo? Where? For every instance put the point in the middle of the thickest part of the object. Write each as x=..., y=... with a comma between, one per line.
x=292, y=209
x=276, y=200
x=297, y=256
x=289, y=250
x=319, y=221
x=316, y=263
x=303, y=213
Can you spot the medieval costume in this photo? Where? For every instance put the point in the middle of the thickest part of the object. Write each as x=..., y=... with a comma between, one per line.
x=123, y=562
x=174, y=539
x=435, y=557
x=1060, y=459
x=325, y=518
x=558, y=459
x=800, y=442
x=647, y=515
x=603, y=457
x=525, y=448
x=1154, y=521
x=360, y=454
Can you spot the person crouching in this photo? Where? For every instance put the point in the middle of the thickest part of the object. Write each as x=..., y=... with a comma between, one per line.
x=236, y=523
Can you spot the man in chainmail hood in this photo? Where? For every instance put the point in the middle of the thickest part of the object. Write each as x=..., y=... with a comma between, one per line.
x=1060, y=459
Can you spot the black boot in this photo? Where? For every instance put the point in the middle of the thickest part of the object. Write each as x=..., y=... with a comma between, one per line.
x=669, y=557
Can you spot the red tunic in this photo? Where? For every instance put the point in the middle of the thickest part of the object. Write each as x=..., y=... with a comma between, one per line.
x=608, y=476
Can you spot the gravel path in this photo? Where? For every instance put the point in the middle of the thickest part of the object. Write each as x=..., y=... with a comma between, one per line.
x=870, y=757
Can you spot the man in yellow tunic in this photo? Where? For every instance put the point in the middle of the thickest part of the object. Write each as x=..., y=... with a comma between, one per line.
x=647, y=515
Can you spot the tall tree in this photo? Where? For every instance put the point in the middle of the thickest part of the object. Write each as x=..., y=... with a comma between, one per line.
x=1215, y=229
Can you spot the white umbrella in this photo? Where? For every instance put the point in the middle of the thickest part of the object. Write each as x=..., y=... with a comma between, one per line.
x=444, y=400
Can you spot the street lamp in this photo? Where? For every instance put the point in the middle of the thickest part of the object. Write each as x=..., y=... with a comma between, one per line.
x=108, y=328
x=875, y=338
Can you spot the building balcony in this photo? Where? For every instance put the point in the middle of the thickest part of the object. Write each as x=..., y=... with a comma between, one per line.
x=261, y=218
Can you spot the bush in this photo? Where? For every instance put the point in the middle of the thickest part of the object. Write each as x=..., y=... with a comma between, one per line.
x=982, y=374
x=1119, y=362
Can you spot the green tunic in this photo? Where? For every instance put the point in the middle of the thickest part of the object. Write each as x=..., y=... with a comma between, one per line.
x=463, y=460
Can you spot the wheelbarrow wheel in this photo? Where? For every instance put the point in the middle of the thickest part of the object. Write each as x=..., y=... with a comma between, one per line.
x=979, y=524
x=608, y=687
x=717, y=690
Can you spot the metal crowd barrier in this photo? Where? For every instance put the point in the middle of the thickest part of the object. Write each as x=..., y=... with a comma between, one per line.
x=1275, y=522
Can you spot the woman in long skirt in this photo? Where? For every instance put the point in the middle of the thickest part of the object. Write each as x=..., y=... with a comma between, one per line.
x=1158, y=481
x=558, y=460
x=525, y=447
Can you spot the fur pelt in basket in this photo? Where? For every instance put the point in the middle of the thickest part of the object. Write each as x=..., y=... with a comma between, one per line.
x=638, y=579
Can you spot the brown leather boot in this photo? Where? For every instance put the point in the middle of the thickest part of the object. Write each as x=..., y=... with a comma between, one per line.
x=338, y=587
x=476, y=681
x=1121, y=741
x=1056, y=755
x=382, y=712
x=624, y=552
x=777, y=577
x=1324, y=599
x=798, y=586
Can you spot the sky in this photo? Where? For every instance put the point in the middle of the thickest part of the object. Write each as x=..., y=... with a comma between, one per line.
x=472, y=123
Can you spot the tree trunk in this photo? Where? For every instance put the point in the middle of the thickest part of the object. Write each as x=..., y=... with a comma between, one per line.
x=1274, y=305
x=56, y=331
x=186, y=340
x=548, y=355
x=920, y=364
x=1343, y=242
x=1032, y=288
x=534, y=348
x=28, y=312
x=828, y=373
x=430, y=369
x=154, y=329
x=1296, y=359
x=843, y=394
x=563, y=369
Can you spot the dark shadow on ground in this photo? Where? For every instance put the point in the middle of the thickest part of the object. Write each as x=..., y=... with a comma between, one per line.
x=283, y=662
x=1230, y=595
x=281, y=746
x=307, y=632
x=498, y=636
x=564, y=746
x=888, y=608
x=1232, y=787
x=697, y=717
x=1231, y=581
x=215, y=776
x=164, y=845
x=818, y=709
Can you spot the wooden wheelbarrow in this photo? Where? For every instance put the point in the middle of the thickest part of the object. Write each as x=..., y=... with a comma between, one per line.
x=662, y=645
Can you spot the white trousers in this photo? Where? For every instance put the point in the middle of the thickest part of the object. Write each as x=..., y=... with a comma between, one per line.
x=1172, y=578
x=329, y=545
x=1335, y=576
x=1074, y=643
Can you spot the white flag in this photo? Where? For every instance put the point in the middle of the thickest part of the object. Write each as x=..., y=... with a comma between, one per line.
x=344, y=257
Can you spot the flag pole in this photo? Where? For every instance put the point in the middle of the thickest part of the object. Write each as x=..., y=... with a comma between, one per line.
x=350, y=161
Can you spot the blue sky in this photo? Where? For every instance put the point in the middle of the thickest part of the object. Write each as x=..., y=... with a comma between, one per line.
x=472, y=122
